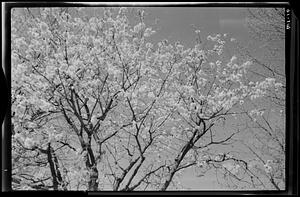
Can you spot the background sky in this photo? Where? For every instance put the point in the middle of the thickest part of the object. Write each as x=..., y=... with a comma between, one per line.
x=175, y=23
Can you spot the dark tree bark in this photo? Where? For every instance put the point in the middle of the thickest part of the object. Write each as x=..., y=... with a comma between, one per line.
x=52, y=167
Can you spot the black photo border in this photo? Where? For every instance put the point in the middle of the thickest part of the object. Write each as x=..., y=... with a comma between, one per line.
x=292, y=93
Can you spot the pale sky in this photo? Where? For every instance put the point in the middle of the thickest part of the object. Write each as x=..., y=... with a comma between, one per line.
x=175, y=22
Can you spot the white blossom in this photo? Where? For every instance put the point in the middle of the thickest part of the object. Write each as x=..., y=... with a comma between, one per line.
x=94, y=119
x=148, y=32
x=231, y=167
x=201, y=164
x=233, y=58
x=268, y=168
x=29, y=143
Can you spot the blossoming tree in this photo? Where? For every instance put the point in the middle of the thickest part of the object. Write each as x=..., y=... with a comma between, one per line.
x=97, y=106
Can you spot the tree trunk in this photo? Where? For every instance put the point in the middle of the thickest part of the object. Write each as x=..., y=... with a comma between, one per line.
x=92, y=168
x=178, y=160
x=52, y=167
x=93, y=184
